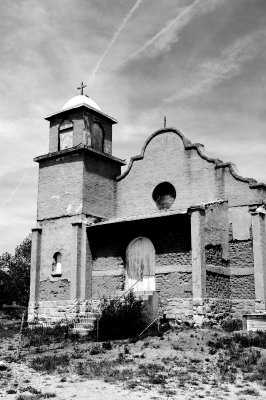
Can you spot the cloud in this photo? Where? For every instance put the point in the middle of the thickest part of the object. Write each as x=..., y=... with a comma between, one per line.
x=229, y=64
x=10, y=197
x=168, y=35
x=115, y=37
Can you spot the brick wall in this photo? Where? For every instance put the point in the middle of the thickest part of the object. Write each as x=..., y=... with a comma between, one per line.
x=214, y=254
x=241, y=254
x=99, y=186
x=174, y=284
x=218, y=286
x=60, y=186
x=106, y=286
x=242, y=287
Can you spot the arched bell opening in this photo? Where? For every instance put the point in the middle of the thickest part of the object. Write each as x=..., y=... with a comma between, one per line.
x=140, y=265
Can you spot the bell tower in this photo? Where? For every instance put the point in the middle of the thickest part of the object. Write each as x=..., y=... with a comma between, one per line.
x=77, y=176
x=77, y=186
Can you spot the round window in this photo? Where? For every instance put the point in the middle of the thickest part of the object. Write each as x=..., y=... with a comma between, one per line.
x=164, y=195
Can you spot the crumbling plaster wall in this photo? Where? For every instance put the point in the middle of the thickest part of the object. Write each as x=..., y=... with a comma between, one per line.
x=57, y=289
x=57, y=236
x=99, y=186
x=60, y=186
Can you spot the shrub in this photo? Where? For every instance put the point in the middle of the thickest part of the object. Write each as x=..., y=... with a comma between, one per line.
x=121, y=318
x=233, y=355
x=107, y=345
x=50, y=363
x=232, y=324
x=96, y=349
x=40, y=335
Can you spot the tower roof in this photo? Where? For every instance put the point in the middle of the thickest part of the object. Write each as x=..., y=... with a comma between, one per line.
x=79, y=100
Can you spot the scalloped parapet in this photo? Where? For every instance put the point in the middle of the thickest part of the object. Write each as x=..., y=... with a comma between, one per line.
x=168, y=156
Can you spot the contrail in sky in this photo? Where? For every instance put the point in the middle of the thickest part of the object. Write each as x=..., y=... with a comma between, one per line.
x=168, y=34
x=13, y=192
x=230, y=63
x=115, y=37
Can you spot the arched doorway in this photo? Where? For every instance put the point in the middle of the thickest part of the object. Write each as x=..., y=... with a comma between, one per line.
x=140, y=265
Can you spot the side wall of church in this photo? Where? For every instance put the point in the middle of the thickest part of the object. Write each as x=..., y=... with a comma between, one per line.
x=99, y=195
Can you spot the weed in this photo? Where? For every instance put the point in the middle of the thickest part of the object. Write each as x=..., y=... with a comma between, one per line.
x=11, y=391
x=232, y=324
x=250, y=392
x=107, y=345
x=50, y=363
x=96, y=349
x=195, y=360
x=158, y=379
x=30, y=389
x=176, y=347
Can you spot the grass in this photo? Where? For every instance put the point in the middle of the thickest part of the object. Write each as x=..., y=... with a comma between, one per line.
x=240, y=351
x=50, y=363
x=148, y=363
x=249, y=392
x=38, y=396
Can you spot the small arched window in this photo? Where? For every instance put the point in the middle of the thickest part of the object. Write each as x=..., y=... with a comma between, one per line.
x=97, y=136
x=57, y=264
x=66, y=135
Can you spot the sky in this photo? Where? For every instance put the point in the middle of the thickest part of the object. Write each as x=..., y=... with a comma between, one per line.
x=199, y=62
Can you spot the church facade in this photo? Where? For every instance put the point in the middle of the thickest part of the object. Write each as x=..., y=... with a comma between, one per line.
x=175, y=224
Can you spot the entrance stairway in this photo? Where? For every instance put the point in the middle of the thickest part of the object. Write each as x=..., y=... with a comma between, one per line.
x=84, y=323
x=140, y=295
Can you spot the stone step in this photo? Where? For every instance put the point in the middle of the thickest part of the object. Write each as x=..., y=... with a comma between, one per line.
x=81, y=331
x=83, y=326
x=139, y=295
x=86, y=314
x=85, y=319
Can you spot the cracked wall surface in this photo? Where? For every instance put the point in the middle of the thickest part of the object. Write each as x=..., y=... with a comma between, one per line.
x=54, y=290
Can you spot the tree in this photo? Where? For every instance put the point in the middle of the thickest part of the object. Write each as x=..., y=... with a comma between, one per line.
x=15, y=275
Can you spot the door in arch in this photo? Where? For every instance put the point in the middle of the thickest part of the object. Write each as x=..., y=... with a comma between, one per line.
x=140, y=265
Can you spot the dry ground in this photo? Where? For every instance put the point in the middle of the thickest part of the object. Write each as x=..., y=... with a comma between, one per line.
x=179, y=365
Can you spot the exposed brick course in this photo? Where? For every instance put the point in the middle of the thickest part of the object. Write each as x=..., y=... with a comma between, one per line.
x=55, y=290
x=175, y=284
x=106, y=286
x=241, y=254
x=218, y=286
x=242, y=287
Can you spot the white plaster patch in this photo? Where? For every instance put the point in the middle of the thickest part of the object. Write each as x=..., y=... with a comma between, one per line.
x=240, y=219
x=56, y=197
x=69, y=208
x=78, y=210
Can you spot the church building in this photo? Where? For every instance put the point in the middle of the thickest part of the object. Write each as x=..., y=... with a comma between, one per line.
x=177, y=225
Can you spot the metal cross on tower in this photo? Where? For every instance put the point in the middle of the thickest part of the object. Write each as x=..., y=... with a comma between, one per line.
x=164, y=122
x=82, y=86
